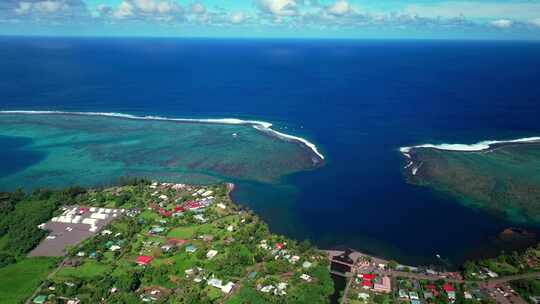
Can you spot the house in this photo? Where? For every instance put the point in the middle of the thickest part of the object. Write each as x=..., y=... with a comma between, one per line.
x=363, y=296
x=176, y=242
x=167, y=248
x=448, y=287
x=294, y=259
x=368, y=277
x=211, y=254
x=227, y=288
x=192, y=205
x=200, y=218
x=179, y=209
x=267, y=289
x=306, y=265
x=144, y=260
x=428, y=295
x=384, y=286
x=215, y=283
x=433, y=289
x=366, y=284
x=191, y=249
x=228, y=240
x=115, y=248
x=208, y=238
x=403, y=294
x=280, y=246
x=280, y=289
x=413, y=295
x=40, y=299
x=306, y=277
x=342, y=263
x=157, y=229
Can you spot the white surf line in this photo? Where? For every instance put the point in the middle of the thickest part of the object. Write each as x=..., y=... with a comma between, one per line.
x=480, y=146
x=259, y=125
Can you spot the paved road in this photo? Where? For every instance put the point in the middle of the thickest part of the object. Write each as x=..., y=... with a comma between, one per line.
x=491, y=283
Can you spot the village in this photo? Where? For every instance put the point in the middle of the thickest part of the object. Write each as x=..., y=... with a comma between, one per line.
x=163, y=242
x=373, y=280
x=153, y=242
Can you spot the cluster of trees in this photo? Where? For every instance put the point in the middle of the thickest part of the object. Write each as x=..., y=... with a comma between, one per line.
x=20, y=215
x=504, y=264
x=527, y=287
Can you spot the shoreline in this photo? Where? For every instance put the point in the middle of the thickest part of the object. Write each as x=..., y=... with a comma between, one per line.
x=263, y=126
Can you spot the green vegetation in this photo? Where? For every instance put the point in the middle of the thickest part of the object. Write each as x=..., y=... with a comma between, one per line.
x=161, y=222
x=504, y=265
x=20, y=215
x=527, y=288
x=505, y=181
x=19, y=280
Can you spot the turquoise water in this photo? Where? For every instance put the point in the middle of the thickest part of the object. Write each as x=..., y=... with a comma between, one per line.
x=358, y=101
x=61, y=150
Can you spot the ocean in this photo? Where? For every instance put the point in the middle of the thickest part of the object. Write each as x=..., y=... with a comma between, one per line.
x=357, y=101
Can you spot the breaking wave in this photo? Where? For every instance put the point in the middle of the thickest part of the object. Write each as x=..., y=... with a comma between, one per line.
x=480, y=146
x=259, y=125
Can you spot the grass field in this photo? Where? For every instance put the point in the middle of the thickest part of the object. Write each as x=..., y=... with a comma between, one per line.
x=18, y=281
x=87, y=270
x=182, y=232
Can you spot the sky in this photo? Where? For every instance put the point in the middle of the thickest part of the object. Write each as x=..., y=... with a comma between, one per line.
x=334, y=19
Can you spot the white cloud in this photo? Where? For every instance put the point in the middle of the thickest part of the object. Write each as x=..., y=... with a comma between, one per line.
x=502, y=23
x=124, y=10
x=476, y=9
x=153, y=9
x=198, y=8
x=237, y=17
x=536, y=22
x=41, y=7
x=279, y=7
x=339, y=8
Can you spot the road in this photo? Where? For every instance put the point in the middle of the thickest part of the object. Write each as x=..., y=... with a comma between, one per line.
x=50, y=276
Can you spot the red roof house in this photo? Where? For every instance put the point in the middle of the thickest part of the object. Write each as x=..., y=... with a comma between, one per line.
x=179, y=209
x=192, y=205
x=176, y=242
x=280, y=246
x=368, y=277
x=448, y=287
x=144, y=260
x=433, y=289
x=367, y=283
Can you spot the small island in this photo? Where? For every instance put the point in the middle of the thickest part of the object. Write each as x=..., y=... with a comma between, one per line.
x=499, y=176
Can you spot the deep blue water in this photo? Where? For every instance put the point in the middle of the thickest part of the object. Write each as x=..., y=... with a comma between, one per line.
x=14, y=156
x=358, y=100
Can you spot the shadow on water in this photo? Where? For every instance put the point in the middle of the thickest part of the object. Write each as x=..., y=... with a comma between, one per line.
x=14, y=157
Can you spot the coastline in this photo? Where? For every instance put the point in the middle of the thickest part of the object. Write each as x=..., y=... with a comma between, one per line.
x=262, y=126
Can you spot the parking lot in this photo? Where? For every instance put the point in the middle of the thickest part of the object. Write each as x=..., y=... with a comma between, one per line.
x=73, y=226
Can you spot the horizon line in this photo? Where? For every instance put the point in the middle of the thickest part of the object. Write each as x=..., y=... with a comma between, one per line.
x=287, y=38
